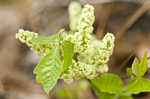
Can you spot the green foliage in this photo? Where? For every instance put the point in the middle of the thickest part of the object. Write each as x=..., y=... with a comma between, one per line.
x=139, y=69
x=106, y=96
x=135, y=68
x=138, y=85
x=49, y=69
x=143, y=65
x=110, y=86
x=114, y=96
x=78, y=54
x=108, y=83
x=68, y=52
x=124, y=96
x=45, y=40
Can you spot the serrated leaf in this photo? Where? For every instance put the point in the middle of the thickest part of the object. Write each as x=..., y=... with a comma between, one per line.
x=49, y=69
x=138, y=85
x=45, y=40
x=135, y=67
x=143, y=65
x=68, y=52
x=109, y=83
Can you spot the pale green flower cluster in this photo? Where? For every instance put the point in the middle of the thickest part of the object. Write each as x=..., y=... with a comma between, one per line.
x=27, y=36
x=92, y=61
x=86, y=20
x=92, y=55
x=74, y=14
x=85, y=27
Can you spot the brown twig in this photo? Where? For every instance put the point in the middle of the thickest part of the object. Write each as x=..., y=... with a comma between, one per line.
x=125, y=62
x=145, y=7
x=104, y=20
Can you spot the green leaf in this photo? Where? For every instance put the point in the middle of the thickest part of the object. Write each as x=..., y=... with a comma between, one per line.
x=49, y=69
x=109, y=83
x=125, y=96
x=143, y=65
x=68, y=52
x=115, y=96
x=106, y=96
x=135, y=66
x=139, y=69
x=138, y=85
x=45, y=40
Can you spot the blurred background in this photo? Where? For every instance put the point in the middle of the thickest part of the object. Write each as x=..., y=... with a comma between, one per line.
x=129, y=20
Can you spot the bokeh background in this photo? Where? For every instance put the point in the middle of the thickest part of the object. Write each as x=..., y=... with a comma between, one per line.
x=129, y=20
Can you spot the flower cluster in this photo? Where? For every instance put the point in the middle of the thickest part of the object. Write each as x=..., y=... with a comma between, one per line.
x=92, y=54
x=74, y=14
x=27, y=37
x=86, y=20
x=93, y=61
x=83, y=36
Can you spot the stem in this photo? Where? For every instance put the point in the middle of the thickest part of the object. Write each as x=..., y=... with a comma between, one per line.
x=145, y=7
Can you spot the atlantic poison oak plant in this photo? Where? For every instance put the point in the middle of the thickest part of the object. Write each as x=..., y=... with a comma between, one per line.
x=73, y=54
x=77, y=54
